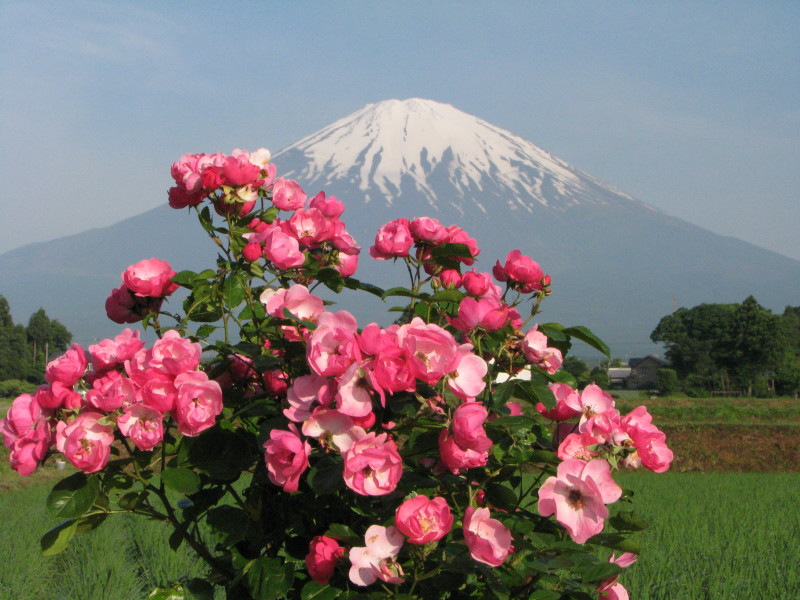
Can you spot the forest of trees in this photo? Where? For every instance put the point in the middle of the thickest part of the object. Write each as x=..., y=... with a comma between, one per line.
x=733, y=348
x=26, y=350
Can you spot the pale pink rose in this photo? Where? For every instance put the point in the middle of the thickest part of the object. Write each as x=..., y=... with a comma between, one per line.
x=534, y=346
x=578, y=496
x=467, y=381
x=467, y=427
x=328, y=206
x=159, y=393
x=592, y=402
x=287, y=194
x=372, y=466
x=151, y=277
x=143, y=425
x=424, y=520
x=26, y=434
x=185, y=172
x=488, y=540
x=353, y=395
x=610, y=589
x=432, y=350
x=485, y=313
x=456, y=458
x=283, y=250
x=392, y=240
x=346, y=264
x=306, y=391
x=111, y=391
x=108, y=353
x=260, y=157
x=198, y=402
x=323, y=554
x=67, y=368
x=562, y=410
x=297, y=300
x=85, y=442
x=333, y=427
x=427, y=230
x=376, y=559
x=333, y=346
x=174, y=355
x=575, y=445
x=523, y=272
x=239, y=171
x=286, y=455
x=653, y=451
x=309, y=227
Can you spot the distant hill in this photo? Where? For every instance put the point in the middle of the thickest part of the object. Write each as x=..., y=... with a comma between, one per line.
x=618, y=264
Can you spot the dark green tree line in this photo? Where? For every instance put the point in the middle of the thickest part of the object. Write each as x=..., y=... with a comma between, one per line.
x=733, y=347
x=24, y=351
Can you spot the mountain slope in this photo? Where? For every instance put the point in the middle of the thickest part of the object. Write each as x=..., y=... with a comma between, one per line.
x=618, y=264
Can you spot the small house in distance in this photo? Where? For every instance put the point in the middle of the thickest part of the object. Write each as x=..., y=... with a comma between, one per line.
x=644, y=372
x=640, y=374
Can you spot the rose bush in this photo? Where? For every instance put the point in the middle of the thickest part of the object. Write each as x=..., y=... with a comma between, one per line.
x=304, y=455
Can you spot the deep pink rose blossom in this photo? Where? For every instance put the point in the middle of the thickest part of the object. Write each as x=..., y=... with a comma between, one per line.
x=286, y=455
x=488, y=540
x=323, y=554
x=424, y=520
x=372, y=466
x=151, y=277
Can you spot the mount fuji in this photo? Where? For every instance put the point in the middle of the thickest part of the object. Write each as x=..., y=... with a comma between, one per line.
x=618, y=264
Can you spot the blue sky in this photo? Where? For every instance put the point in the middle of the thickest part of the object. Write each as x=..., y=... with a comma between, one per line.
x=693, y=107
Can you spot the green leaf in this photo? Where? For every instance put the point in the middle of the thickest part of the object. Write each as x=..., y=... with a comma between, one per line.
x=222, y=454
x=184, y=278
x=316, y=591
x=454, y=296
x=535, y=391
x=326, y=476
x=90, y=523
x=167, y=594
x=73, y=495
x=198, y=589
x=585, y=335
x=182, y=480
x=332, y=279
x=501, y=497
x=400, y=291
x=269, y=578
x=617, y=542
x=59, y=537
x=544, y=595
x=233, y=291
x=228, y=524
x=355, y=284
x=206, y=330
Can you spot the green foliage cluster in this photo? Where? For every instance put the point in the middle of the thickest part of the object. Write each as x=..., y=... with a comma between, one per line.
x=732, y=348
x=25, y=350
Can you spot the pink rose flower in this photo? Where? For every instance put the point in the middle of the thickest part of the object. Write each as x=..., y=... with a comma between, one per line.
x=174, y=355
x=456, y=458
x=427, y=230
x=151, y=277
x=488, y=540
x=467, y=427
x=297, y=300
x=376, y=559
x=476, y=284
x=578, y=496
x=535, y=348
x=67, y=368
x=198, y=402
x=323, y=554
x=85, y=442
x=562, y=410
x=287, y=194
x=329, y=206
x=283, y=250
x=424, y=520
x=143, y=425
x=286, y=455
x=372, y=466
x=26, y=434
x=333, y=346
x=111, y=391
x=392, y=240
x=523, y=272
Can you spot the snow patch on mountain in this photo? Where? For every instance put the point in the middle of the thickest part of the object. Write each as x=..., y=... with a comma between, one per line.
x=393, y=146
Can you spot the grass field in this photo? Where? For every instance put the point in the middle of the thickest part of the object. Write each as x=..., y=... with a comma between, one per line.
x=716, y=536
x=715, y=533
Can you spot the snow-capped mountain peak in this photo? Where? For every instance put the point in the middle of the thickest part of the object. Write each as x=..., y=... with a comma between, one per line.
x=392, y=148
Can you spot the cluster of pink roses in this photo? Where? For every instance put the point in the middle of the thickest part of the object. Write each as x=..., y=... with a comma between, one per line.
x=131, y=387
x=198, y=176
x=144, y=287
x=420, y=519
